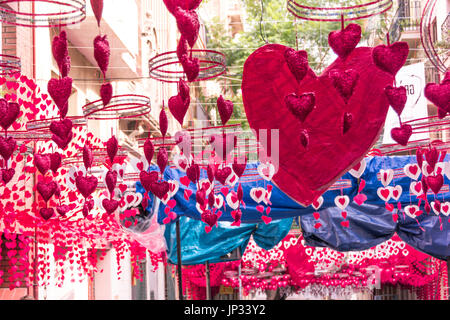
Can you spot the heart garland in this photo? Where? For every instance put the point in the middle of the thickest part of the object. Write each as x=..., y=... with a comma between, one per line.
x=9, y=113
x=316, y=205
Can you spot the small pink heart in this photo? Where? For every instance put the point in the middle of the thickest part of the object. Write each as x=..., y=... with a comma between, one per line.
x=266, y=219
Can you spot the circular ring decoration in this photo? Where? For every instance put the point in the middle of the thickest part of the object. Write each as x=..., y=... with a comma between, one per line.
x=57, y=13
x=353, y=12
x=22, y=135
x=9, y=65
x=120, y=107
x=426, y=36
x=99, y=155
x=166, y=66
x=43, y=125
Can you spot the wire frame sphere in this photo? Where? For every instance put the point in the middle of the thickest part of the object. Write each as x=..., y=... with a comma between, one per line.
x=120, y=107
x=350, y=12
x=42, y=13
x=166, y=66
x=9, y=65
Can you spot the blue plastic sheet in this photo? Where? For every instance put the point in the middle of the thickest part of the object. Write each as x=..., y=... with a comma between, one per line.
x=370, y=223
x=197, y=246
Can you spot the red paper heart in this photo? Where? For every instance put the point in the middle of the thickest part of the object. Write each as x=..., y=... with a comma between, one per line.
x=147, y=178
x=402, y=134
x=86, y=185
x=60, y=91
x=46, y=189
x=223, y=174
x=306, y=174
x=111, y=181
x=106, y=93
x=344, y=41
x=191, y=67
x=185, y=181
x=297, y=62
x=316, y=215
x=266, y=219
x=9, y=112
x=439, y=94
x=225, y=108
x=159, y=189
x=392, y=57
x=102, y=52
x=46, y=213
x=7, y=147
x=7, y=175
x=178, y=108
x=397, y=98
x=188, y=24
x=187, y=194
x=149, y=150
x=435, y=183
x=110, y=205
x=97, y=8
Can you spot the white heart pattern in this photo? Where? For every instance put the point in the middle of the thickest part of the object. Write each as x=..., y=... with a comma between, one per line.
x=342, y=202
x=384, y=193
x=258, y=194
x=266, y=170
x=232, y=179
x=415, y=188
x=412, y=210
x=438, y=169
x=445, y=208
x=396, y=192
x=218, y=201
x=386, y=176
x=131, y=199
x=318, y=203
x=412, y=171
x=267, y=197
x=357, y=173
x=232, y=200
x=435, y=208
x=139, y=164
x=181, y=162
x=206, y=185
x=120, y=169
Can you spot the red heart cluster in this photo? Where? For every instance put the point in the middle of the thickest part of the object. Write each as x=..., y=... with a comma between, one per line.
x=439, y=94
x=61, y=53
x=189, y=25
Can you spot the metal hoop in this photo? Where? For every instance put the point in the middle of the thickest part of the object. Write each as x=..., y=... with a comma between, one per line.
x=166, y=66
x=67, y=12
x=354, y=12
x=120, y=107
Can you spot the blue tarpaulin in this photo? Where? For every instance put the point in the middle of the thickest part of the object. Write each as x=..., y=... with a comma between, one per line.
x=369, y=224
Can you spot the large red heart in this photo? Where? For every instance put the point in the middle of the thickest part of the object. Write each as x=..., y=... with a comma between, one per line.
x=306, y=173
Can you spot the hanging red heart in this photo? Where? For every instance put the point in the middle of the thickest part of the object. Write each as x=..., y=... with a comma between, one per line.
x=344, y=41
x=306, y=174
x=9, y=112
x=225, y=108
x=86, y=185
x=102, y=52
x=97, y=8
x=112, y=146
x=106, y=93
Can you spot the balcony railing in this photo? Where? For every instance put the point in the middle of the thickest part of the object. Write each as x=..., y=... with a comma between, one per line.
x=406, y=19
x=445, y=28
